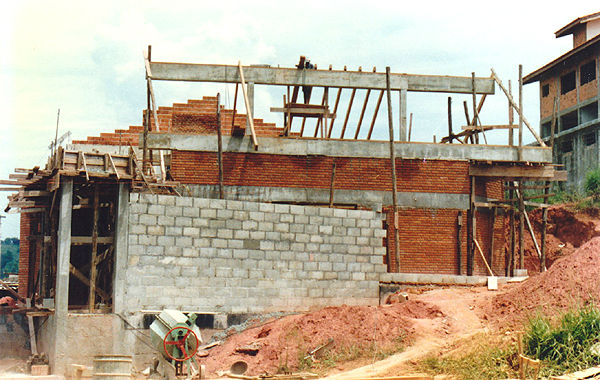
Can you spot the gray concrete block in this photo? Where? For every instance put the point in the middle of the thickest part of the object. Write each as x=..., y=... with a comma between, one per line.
x=301, y=219
x=183, y=221
x=184, y=241
x=216, y=223
x=224, y=214
x=225, y=234
x=311, y=229
x=282, y=209
x=201, y=203
x=234, y=205
x=255, y=255
x=147, y=240
x=208, y=232
x=267, y=245
x=208, y=213
x=286, y=218
x=218, y=204
x=326, y=230
x=272, y=235
x=250, y=225
x=133, y=239
x=155, y=209
x=310, y=266
x=325, y=266
x=138, y=208
x=312, y=247
x=251, y=244
x=265, y=226
x=281, y=227
x=234, y=224
x=297, y=210
x=224, y=253
x=192, y=212
x=191, y=232
x=297, y=228
x=148, y=220
x=257, y=235
x=173, y=231
x=256, y=215
x=219, y=243
x=235, y=244
x=184, y=202
x=173, y=211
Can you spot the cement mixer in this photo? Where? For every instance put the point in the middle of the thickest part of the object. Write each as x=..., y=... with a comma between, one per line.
x=177, y=338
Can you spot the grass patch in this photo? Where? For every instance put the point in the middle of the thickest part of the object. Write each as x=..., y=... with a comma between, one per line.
x=482, y=357
x=563, y=344
x=346, y=353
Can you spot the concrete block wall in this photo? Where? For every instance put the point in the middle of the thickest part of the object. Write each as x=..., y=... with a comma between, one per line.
x=245, y=257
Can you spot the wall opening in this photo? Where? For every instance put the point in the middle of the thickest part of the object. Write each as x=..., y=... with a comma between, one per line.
x=567, y=82
x=587, y=72
x=589, y=112
x=546, y=129
x=545, y=90
x=589, y=138
x=568, y=120
x=566, y=146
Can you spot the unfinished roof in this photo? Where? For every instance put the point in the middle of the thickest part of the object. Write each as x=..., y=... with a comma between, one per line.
x=571, y=27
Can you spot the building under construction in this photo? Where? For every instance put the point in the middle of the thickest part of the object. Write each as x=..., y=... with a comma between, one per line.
x=214, y=211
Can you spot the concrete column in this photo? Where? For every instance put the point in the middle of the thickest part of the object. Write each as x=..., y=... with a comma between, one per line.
x=250, y=90
x=121, y=249
x=61, y=298
x=403, y=109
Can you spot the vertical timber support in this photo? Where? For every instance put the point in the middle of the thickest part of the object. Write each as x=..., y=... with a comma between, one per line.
x=510, y=266
x=471, y=248
x=219, y=146
x=520, y=116
x=459, y=243
x=61, y=297
x=393, y=165
x=521, y=227
x=403, y=112
x=94, y=262
x=250, y=92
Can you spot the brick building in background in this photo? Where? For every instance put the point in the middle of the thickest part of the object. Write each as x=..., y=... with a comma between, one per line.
x=571, y=81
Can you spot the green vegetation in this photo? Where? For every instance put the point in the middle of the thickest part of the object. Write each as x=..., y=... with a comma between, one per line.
x=485, y=358
x=564, y=344
x=592, y=184
x=10, y=256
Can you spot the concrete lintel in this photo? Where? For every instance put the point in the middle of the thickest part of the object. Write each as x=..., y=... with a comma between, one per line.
x=348, y=148
x=369, y=198
x=327, y=78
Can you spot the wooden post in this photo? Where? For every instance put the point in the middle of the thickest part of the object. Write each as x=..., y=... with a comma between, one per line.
x=450, y=134
x=511, y=118
x=491, y=260
x=476, y=120
x=249, y=107
x=331, y=189
x=410, y=127
x=348, y=113
x=471, y=249
x=521, y=226
x=547, y=191
x=335, y=107
x=220, y=146
x=393, y=164
x=234, y=106
x=146, y=119
x=459, y=243
x=374, y=115
x=94, y=262
x=362, y=114
x=511, y=256
x=521, y=115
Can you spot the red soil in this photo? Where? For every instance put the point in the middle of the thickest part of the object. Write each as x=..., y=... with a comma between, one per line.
x=284, y=341
x=570, y=281
x=566, y=231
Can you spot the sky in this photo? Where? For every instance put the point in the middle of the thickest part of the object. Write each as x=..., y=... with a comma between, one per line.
x=86, y=58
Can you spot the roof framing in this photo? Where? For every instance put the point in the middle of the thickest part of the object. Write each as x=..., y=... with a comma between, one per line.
x=191, y=72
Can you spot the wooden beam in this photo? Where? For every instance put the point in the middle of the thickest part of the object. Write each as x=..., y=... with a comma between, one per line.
x=516, y=107
x=163, y=171
x=327, y=78
x=393, y=169
x=348, y=113
x=375, y=114
x=511, y=171
x=247, y=102
x=12, y=292
x=488, y=127
x=483, y=257
x=94, y=262
x=362, y=114
x=78, y=275
x=83, y=240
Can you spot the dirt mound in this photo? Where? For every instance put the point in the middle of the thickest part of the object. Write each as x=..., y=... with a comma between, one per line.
x=571, y=281
x=282, y=343
x=567, y=230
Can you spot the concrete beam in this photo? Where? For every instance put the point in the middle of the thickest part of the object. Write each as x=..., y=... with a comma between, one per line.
x=190, y=72
x=368, y=198
x=61, y=297
x=348, y=148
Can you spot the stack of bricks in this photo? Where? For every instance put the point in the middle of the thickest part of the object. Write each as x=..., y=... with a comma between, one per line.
x=247, y=257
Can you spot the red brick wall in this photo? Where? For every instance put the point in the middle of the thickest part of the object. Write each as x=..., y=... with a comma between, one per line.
x=547, y=103
x=590, y=89
x=27, y=249
x=241, y=169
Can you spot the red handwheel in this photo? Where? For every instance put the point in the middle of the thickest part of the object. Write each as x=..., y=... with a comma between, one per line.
x=180, y=341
